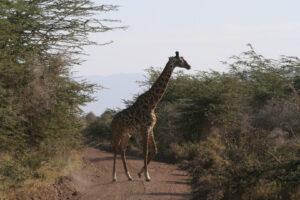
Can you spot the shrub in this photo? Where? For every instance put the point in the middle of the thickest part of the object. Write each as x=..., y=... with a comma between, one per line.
x=40, y=115
x=99, y=129
x=255, y=108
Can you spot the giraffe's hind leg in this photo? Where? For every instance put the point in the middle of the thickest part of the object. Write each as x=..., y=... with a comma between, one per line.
x=114, y=167
x=125, y=165
x=123, y=146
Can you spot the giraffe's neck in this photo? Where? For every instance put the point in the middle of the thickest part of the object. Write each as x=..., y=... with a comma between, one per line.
x=159, y=87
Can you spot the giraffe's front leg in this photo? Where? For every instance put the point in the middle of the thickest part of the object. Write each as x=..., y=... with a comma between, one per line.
x=146, y=148
x=152, y=151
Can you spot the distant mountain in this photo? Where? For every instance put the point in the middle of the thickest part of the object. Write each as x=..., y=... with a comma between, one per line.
x=117, y=87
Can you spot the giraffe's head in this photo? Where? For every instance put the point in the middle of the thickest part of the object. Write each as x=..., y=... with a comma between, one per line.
x=178, y=61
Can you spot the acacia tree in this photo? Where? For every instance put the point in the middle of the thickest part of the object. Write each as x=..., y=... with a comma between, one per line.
x=47, y=25
x=39, y=101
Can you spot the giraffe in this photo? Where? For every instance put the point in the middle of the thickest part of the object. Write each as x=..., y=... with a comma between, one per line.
x=140, y=118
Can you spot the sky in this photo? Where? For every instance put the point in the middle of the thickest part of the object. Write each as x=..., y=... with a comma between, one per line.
x=205, y=32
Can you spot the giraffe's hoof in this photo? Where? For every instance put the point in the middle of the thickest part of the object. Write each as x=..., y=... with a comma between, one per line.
x=130, y=179
x=114, y=180
x=148, y=179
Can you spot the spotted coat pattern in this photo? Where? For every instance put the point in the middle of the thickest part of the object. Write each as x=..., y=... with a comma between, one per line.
x=140, y=118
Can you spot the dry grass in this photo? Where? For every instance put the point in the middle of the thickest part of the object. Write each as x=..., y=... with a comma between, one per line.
x=51, y=171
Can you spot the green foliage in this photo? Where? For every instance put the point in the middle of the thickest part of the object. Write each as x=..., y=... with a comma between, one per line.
x=39, y=100
x=239, y=130
x=99, y=129
x=246, y=171
x=236, y=132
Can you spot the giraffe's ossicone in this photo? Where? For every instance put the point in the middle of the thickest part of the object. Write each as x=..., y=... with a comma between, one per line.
x=140, y=118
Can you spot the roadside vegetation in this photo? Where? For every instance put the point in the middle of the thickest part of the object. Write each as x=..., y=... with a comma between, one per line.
x=236, y=132
x=40, y=115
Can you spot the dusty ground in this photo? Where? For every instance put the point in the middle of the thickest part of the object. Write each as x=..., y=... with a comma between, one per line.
x=94, y=181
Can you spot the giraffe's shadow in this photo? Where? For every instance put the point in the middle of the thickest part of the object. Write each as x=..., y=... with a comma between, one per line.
x=99, y=159
x=133, y=153
x=168, y=194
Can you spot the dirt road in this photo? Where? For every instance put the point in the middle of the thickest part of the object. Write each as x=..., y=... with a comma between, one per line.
x=94, y=182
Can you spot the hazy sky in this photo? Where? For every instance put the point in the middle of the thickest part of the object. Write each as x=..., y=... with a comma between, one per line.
x=204, y=31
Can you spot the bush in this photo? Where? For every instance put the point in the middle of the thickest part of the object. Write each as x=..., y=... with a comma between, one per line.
x=40, y=115
x=237, y=132
x=98, y=130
